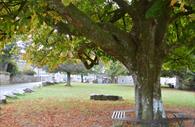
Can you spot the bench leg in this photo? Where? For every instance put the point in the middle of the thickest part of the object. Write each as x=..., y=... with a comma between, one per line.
x=181, y=123
x=117, y=124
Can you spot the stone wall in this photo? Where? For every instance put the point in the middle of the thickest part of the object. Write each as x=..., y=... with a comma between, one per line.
x=24, y=79
x=4, y=78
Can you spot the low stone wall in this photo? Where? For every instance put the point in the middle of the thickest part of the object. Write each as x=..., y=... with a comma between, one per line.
x=4, y=78
x=24, y=79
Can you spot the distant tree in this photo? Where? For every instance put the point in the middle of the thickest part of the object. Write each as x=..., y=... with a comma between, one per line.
x=115, y=68
x=7, y=63
x=12, y=68
x=71, y=69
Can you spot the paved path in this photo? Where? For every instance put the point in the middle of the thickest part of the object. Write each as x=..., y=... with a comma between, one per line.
x=9, y=89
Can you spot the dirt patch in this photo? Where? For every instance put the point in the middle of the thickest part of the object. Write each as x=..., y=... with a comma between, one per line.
x=68, y=113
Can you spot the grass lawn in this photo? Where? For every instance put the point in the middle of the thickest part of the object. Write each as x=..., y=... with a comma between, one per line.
x=60, y=106
x=82, y=92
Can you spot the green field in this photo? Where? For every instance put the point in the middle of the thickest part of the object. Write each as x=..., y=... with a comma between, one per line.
x=82, y=92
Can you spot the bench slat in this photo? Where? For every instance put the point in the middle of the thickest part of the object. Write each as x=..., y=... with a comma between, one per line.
x=118, y=115
x=124, y=115
x=113, y=115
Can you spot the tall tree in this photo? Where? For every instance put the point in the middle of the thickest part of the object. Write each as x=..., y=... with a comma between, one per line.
x=140, y=34
x=71, y=69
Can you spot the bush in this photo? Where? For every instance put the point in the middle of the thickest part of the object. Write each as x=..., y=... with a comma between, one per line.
x=29, y=72
x=12, y=68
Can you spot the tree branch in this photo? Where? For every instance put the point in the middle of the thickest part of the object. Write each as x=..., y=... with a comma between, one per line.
x=85, y=57
x=118, y=14
x=124, y=5
x=65, y=28
x=109, y=38
x=8, y=10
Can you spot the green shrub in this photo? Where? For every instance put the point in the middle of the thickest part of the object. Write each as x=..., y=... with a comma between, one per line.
x=12, y=68
x=29, y=72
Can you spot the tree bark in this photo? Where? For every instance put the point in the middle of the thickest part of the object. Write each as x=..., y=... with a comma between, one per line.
x=148, y=101
x=147, y=88
x=158, y=108
x=138, y=98
x=68, y=83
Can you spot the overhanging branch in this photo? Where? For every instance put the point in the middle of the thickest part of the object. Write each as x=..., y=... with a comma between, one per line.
x=85, y=57
x=107, y=37
x=65, y=28
x=118, y=14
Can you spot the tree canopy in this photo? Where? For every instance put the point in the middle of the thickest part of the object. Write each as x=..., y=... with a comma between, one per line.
x=41, y=20
x=142, y=35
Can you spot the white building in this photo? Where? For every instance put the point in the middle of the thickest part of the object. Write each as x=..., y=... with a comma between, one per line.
x=167, y=80
x=125, y=80
x=128, y=80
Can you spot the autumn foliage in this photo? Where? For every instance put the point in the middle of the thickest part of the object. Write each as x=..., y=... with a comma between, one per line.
x=62, y=113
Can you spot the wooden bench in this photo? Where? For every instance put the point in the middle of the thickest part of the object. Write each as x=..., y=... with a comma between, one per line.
x=121, y=116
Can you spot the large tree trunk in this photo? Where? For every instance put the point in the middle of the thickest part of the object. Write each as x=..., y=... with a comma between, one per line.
x=146, y=67
x=68, y=79
x=147, y=89
x=144, y=99
x=148, y=100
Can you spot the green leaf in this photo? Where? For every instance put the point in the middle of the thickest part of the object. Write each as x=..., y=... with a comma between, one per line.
x=155, y=10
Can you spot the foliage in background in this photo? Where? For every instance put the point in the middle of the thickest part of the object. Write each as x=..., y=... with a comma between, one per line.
x=7, y=63
x=181, y=37
x=115, y=68
x=186, y=78
x=12, y=68
x=28, y=72
x=181, y=61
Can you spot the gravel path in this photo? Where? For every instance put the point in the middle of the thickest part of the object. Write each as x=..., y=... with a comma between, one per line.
x=10, y=89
